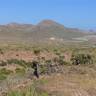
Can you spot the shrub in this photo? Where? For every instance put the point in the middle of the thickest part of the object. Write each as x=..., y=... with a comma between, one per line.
x=11, y=61
x=59, y=60
x=55, y=60
x=3, y=77
x=58, y=53
x=16, y=61
x=1, y=51
x=3, y=63
x=29, y=64
x=62, y=62
x=43, y=69
x=20, y=70
x=4, y=73
x=82, y=59
x=37, y=51
x=48, y=62
x=29, y=91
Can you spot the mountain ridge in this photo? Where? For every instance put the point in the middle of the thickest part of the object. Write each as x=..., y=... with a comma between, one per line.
x=42, y=31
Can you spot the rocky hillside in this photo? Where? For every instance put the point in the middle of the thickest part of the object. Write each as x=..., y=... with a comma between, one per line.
x=46, y=30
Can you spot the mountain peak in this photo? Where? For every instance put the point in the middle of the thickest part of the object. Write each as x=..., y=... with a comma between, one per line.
x=49, y=23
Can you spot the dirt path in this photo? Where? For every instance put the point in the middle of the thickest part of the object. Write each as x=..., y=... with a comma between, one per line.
x=79, y=92
x=62, y=86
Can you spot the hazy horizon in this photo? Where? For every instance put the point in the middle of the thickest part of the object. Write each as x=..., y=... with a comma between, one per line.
x=71, y=13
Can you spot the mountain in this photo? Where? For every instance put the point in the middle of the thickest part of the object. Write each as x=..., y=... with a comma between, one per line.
x=46, y=30
x=49, y=23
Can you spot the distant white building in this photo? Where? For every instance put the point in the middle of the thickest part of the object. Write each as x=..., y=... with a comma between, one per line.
x=52, y=38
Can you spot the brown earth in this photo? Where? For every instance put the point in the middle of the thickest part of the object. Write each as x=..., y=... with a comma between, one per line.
x=70, y=85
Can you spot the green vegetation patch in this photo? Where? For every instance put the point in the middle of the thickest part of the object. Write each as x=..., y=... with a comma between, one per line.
x=19, y=62
x=20, y=71
x=4, y=73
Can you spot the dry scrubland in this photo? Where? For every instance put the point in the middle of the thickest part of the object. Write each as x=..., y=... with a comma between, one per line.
x=64, y=70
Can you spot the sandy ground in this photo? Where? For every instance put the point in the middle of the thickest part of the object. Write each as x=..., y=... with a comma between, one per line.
x=61, y=85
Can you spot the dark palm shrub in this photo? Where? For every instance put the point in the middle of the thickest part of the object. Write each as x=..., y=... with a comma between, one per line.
x=82, y=59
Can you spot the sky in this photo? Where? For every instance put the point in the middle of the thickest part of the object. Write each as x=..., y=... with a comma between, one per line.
x=70, y=13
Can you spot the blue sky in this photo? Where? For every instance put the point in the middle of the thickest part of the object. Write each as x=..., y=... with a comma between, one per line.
x=71, y=13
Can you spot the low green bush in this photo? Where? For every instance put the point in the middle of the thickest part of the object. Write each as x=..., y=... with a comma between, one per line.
x=16, y=61
x=20, y=71
x=3, y=76
x=4, y=73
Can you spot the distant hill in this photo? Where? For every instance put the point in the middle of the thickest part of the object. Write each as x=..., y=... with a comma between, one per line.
x=46, y=30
